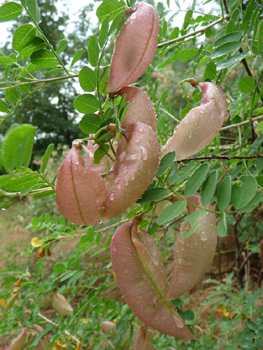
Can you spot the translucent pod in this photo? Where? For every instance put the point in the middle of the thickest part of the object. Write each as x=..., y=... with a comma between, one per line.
x=200, y=126
x=142, y=281
x=80, y=191
x=19, y=342
x=143, y=340
x=193, y=255
x=141, y=108
x=136, y=166
x=135, y=47
x=61, y=305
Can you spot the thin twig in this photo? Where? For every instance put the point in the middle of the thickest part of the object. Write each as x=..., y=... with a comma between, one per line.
x=240, y=124
x=46, y=40
x=40, y=81
x=219, y=156
x=170, y=115
x=54, y=324
x=195, y=32
x=18, y=103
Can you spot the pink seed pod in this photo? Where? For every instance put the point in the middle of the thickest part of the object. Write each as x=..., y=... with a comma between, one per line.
x=193, y=255
x=141, y=108
x=61, y=305
x=143, y=340
x=80, y=191
x=19, y=341
x=142, y=281
x=135, y=47
x=200, y=126
x=107, y=326
x=136, y=166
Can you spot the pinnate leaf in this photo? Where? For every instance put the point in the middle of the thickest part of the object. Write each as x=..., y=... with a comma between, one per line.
x=35, y=45
x=46, y=157
x=32, y=8
x=90, y=123
x=23, y=36
x=87, y=79
x=110, y=8
x=243, y=191
x=224, y=193
x=93, y=50
x=10, y=11
x=17, y=146
x=3, y=106
x=86, y=103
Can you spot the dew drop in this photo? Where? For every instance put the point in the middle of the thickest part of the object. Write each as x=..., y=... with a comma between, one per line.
x=141, y=130
x=134, y=157
x=137, y=142
x=126, y=271
x=112, y=197
x=203, y=236
x=179, y=322
x=144, y=153
x=123, y=155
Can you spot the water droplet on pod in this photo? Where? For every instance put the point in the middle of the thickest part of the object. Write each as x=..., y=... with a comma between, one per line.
x=203, y=236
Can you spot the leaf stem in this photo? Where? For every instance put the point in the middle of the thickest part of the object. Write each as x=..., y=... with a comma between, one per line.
x=242, y=123
x=45, y=81
x=98, y=80
x=169, y=42
x=46, y=40
x=18, y=103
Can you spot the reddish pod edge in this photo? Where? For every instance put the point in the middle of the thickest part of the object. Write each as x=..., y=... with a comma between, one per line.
x=200, y=126
x=140, y=275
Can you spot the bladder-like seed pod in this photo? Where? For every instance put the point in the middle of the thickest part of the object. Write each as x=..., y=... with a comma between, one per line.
x=136, y=166
x=19, y=341
x=141, y=108
x=200, y=126
x=193, y=255
x=139, y=270
x=135, y=47
x=10, y=302
x=80, y=191
x=61, y=305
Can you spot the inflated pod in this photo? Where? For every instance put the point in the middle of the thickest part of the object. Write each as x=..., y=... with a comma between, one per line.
x=80, y=191
x=143, y=340
x=19, y=342
x=139, y=271
x=193, y=255
x=10, y=302
x=135, y=47
x=200, y=126
x=107, y=326
x=141, y=108
x=61, y=305
x=136, y=166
